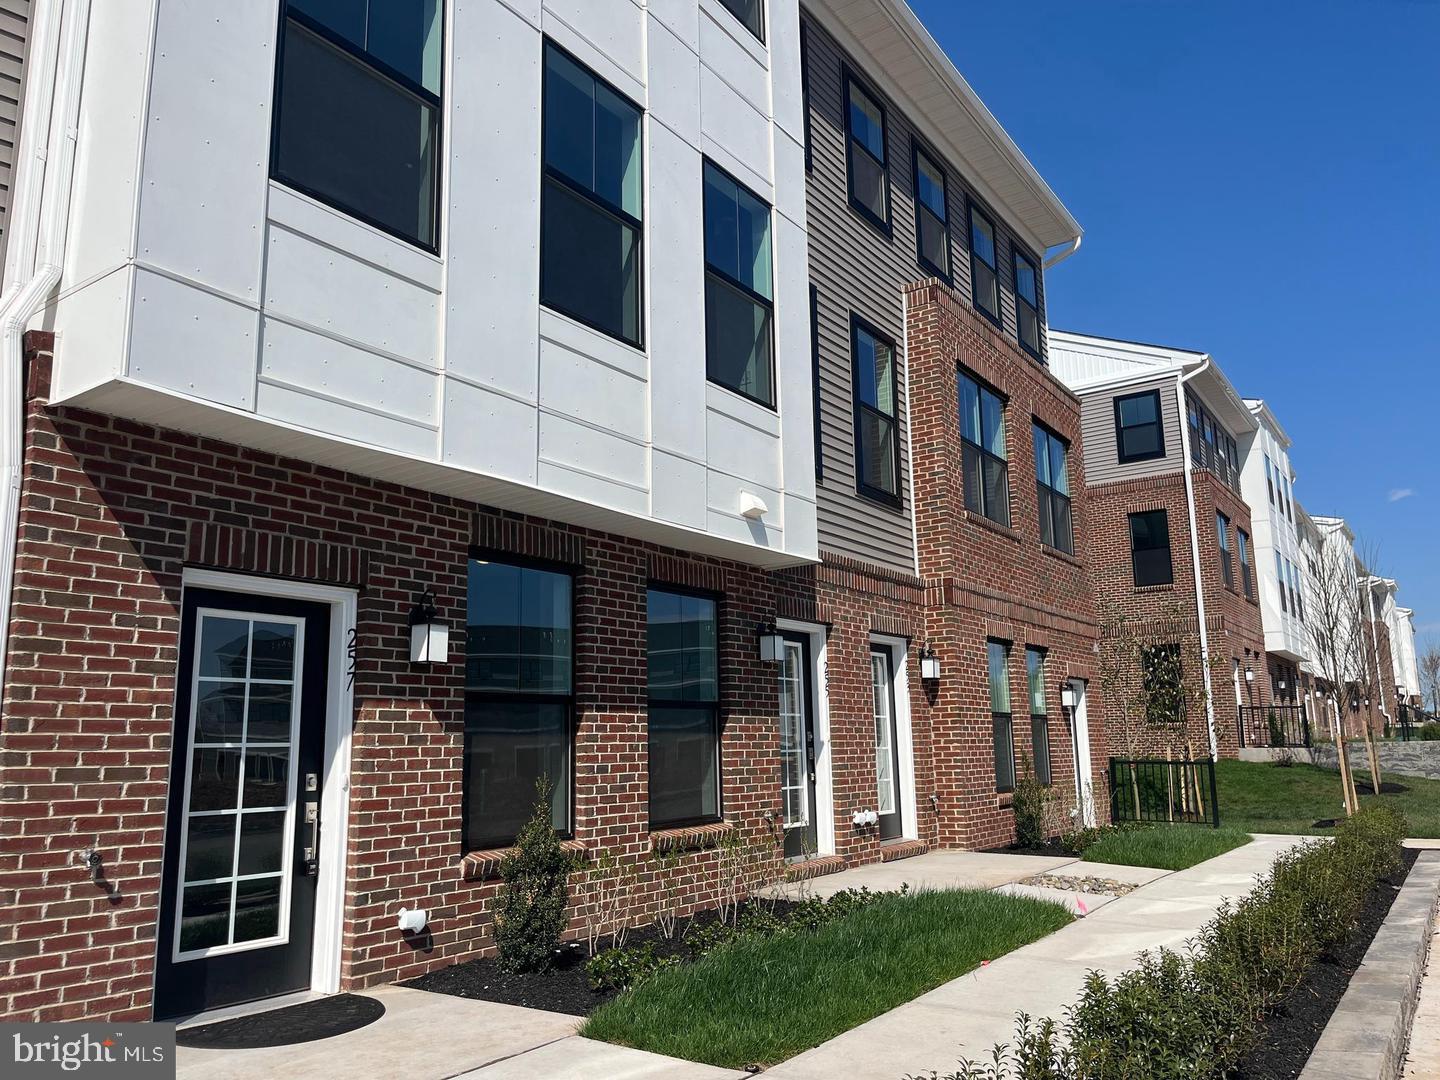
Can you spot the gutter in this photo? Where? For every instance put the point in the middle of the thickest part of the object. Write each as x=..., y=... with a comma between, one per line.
x=1195, y=554
x=1063, y=254
x=43, y=183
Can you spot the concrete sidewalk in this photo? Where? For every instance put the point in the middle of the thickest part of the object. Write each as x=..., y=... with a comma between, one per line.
x=968, y=1016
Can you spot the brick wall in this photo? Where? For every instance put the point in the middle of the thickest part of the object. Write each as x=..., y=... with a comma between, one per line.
x=992, y=581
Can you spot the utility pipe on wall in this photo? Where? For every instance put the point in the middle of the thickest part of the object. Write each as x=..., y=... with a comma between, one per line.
x=1195, y=555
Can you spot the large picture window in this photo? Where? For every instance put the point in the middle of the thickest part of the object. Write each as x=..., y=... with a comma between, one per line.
x=1138, y=432
x=1053, y=490
x=986, y=463
x=984, y=264
x=683, y=650
x=867, y=165
x=357, y=111
x=932, y=216
x=590, y=201
x=1002, y=724
x=1039, y=715
x=877, y=435
x=519, y=686
x=1027, y=305
x=1150, y=548
x=738, y=289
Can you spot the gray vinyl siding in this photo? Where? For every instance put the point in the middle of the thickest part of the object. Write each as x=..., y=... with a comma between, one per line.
x=1102, y=454
x=14, y=32
x=857, y=270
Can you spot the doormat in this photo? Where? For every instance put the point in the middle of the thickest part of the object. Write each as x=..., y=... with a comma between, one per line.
x=305, y=1022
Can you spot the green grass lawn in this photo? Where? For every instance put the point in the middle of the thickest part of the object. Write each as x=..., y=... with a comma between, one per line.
x=762, y=1000
x=1260, y=797
x=1168, y=847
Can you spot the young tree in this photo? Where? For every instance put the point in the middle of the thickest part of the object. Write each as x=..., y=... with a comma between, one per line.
x=1430, y=676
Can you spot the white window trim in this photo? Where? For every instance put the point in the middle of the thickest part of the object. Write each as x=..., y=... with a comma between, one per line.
x=900, y=651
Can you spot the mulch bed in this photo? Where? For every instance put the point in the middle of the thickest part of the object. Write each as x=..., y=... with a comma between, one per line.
x=1053, y=848
x=563, y=988
x=1295, y=1027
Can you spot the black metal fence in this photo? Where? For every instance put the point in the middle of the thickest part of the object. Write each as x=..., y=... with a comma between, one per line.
x=1273, y=725
x=1177, y=792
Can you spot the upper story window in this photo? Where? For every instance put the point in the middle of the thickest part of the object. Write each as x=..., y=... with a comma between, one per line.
x=866, y=162
x=1227, y=566
x=877, y=428
x=684, y=708
x=1139, y=434
x=1247, y=576
x=1002, y=724
x=1027, y=304
x=519, y=704
x=1053, y=486
x=590, y=201
x=1299, y=597
x=751, y=14
x=984, y=279
x=738, y=290
x=932, y=215
x=357, y=111
x=1150, y=548
x=1269, y=480
x=982, y=442
x=1282, y=581
x=1211, y=446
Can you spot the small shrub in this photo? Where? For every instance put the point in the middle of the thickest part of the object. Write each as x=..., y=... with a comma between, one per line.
x=1430, y=732
x=620, y=969
x=1029, y=804
x=530, y=910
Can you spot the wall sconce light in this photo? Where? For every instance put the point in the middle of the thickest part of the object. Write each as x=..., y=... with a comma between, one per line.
x=1249, y=673
x=929, y=665
x=1282, y=684
x=772, y=643
x=1067, y=696
x=429, y=637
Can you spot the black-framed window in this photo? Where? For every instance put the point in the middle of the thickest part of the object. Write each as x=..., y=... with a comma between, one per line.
x=751, y=14
x=1299, y=592
x=1150, y=548
x=519, y=699
x=1027, y=304
x=1139, y=428
x=1247, y=574
x=982, y=444
x=739, y=290
x=815, y=380
x=591, y=200
x=877, y=426
x=1052, y=485
x=357, y=111
x=1280, y=580
x=1211, y=446
x=984, y=265
x=1269, y=480
x=683, y=648
x=932, y=215
x=1039, y=715
x=1294, y=588
x=867, y=162
x=805, y=89
x=1002, y=725
x=1227, y=562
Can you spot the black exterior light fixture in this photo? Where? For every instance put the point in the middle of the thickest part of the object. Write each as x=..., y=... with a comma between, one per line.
x=772, y=642
x=429, y=636
x=929, y=664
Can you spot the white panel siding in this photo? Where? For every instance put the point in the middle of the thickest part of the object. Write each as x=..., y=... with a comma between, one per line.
x=735, y=133
x=588, y=389
x=344, y=420
x=592, y=450
x=193, y=342
x=678, y=489
x=733, y=54
x=490, y=433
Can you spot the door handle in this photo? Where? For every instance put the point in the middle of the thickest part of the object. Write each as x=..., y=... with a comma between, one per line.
x=312, y=849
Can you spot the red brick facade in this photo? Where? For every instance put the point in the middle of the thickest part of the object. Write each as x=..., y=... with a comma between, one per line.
x=990, y=581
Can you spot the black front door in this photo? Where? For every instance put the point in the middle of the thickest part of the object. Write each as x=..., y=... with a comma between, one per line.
x=797, y=748
x=237, y=902
x=887, y=745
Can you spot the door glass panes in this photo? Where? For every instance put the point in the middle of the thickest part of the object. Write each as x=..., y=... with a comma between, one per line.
x=357, y=109
x=884, y=733
x=794, y=770
x=235, y=838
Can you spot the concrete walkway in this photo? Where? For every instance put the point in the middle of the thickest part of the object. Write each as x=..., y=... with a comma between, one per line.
x=1422, y=1060
x=966, y=1017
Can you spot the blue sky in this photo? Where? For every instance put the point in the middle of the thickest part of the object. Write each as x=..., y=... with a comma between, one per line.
x=1260, y=181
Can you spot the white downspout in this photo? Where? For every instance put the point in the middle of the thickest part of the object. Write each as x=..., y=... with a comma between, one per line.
x=37, y=249
x=1195, y=556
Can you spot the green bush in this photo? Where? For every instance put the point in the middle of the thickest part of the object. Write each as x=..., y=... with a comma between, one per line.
x=1194, y=1016
x=1029, y=804
x=620, y=969
x=530, y=910
x=1430, y=732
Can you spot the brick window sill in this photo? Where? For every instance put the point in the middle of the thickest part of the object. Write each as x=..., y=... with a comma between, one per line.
x=1155, y=588
x=1063, y=556
x=689, y=837
x=485, y=865
x=1004, y=800
x=994, y=526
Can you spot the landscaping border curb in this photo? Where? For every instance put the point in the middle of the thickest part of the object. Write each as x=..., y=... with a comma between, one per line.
x=1368, y=1032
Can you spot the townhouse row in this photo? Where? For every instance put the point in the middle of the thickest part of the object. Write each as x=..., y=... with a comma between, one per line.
x=650, y=405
